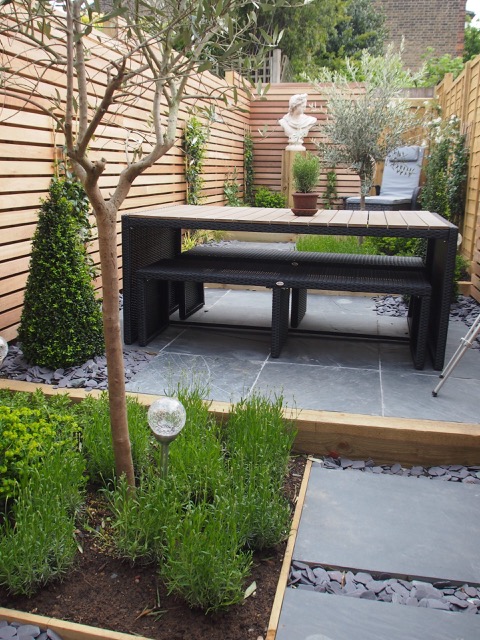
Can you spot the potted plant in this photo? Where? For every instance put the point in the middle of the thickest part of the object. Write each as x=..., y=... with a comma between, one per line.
x=306, y=171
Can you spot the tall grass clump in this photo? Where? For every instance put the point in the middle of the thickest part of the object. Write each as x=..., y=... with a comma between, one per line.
x=37, y=541
x=93, y=417
x=222, y=499
x=332, y=244
x=205, y=563
x=258, y=441
x=140, y=521
x=196, y=473
x=196, y=458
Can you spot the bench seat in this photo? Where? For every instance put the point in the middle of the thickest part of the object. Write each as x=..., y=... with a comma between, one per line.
x=191, y=299
x=281, y=276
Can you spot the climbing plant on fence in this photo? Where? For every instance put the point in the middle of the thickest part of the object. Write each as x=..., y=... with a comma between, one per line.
x=231, y=189
x=248, y=187
x=447, y=169
x=194, y=145
x=330, y=194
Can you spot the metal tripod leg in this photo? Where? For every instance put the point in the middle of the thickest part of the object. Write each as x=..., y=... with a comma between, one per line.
x=465, y=343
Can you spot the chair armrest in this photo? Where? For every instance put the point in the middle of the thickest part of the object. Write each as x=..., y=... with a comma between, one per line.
x=349, y=195
x=416, y=198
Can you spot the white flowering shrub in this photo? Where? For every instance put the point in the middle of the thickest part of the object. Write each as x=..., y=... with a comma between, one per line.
x=447, y=167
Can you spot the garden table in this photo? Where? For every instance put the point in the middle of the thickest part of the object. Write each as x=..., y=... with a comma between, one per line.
x=155, y=234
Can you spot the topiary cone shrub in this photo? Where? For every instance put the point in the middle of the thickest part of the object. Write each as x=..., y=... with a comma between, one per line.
x=61, y=322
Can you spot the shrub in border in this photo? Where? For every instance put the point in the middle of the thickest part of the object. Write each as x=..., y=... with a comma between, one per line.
x=265, y=197
x=61, y=322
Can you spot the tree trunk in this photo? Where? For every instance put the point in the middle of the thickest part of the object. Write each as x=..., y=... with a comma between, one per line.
x=362, y=202
x=107, y=239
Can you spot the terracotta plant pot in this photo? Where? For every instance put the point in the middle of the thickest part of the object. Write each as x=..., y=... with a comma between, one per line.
x=305, y=204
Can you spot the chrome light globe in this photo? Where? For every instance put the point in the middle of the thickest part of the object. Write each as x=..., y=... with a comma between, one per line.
x=166, y=418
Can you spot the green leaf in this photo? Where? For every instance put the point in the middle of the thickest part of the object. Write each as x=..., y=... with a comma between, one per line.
x=205, y=66
x=250, y=590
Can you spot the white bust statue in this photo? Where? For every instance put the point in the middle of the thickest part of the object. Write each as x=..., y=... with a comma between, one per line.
x=295, y=123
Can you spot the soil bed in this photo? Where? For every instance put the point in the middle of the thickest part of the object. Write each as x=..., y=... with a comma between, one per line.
x=107, y=592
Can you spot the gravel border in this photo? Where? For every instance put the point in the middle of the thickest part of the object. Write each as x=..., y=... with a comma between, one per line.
x=20, y=631
x=465, y=309
x=91, y=375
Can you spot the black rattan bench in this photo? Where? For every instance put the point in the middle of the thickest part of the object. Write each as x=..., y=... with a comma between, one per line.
x=192, y=299
x=280, y=276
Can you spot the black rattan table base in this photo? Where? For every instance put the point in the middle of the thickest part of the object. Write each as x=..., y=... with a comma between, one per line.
x=154, y=279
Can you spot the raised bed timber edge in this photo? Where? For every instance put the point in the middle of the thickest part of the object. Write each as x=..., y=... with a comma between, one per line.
x=384, y=439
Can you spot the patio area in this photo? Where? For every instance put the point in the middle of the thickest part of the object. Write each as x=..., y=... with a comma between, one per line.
x=323, y=373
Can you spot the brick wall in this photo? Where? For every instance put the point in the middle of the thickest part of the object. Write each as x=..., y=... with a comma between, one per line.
x=439, y=24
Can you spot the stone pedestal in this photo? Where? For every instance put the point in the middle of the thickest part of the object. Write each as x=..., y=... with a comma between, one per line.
x=288, y=187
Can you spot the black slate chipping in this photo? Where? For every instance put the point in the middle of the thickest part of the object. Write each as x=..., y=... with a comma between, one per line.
x=17, y=631
x=416, y=593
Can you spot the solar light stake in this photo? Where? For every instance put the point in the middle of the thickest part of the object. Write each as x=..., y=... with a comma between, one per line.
x=166, y=418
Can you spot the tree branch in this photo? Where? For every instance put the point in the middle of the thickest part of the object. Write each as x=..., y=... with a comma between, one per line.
x=70, y=66
x=81, y=71
x=106, y=102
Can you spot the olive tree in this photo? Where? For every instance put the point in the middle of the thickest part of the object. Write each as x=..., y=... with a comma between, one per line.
x=160, y=45
x=366, y=115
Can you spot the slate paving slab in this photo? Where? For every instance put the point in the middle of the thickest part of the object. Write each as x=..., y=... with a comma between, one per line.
x=307, y=615
x=322, y=388
x=409, y=395
x=218, y=378
x=403, y=526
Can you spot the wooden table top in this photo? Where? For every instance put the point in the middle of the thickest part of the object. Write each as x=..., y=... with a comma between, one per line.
x=323, y=218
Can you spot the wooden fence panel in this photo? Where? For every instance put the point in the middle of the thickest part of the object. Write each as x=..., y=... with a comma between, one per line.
x=461, y=97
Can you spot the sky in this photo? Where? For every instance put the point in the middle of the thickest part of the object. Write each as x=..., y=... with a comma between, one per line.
x=474, y=5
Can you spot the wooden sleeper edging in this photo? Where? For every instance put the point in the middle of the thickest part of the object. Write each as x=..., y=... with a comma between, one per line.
x=386, y=440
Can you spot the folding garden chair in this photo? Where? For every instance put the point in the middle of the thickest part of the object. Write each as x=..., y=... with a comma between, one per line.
x=400, y=182
x=465, y=343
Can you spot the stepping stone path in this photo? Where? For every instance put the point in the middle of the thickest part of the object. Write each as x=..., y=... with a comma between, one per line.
x=379, y=534
x=19, y=631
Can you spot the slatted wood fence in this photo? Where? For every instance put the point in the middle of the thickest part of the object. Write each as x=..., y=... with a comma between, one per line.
x=461, y=97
